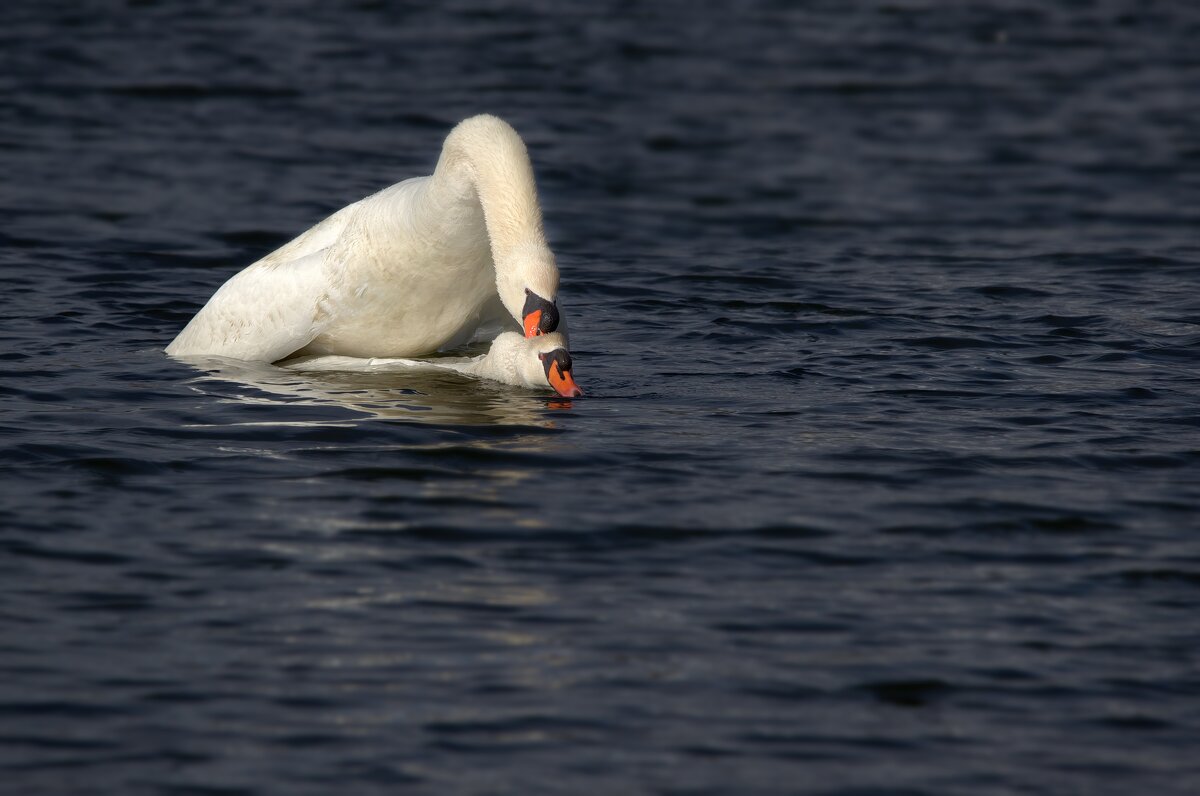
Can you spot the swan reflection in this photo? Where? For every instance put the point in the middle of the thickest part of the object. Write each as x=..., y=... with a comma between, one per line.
x=419, y=394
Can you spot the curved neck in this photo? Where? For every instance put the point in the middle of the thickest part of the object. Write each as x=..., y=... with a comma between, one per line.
x=500, y=362
x=484, y=160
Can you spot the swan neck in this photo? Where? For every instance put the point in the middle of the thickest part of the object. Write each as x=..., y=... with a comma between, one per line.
x=484, y=159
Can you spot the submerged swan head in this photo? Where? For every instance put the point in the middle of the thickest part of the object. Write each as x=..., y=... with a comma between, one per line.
x=535, y=362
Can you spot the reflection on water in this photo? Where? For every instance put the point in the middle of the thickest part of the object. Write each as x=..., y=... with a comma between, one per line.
x=410, y=476
x=426, y=396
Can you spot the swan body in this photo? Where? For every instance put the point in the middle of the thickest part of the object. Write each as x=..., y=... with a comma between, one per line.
x=414, y=268
x=540, y=363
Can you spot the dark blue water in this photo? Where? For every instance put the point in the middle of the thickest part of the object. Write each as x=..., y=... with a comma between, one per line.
x=886, y=482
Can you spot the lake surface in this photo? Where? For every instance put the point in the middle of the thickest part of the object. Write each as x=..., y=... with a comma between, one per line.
x=886, y=480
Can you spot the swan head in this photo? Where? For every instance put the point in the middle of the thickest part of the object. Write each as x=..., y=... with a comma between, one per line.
x=556, y=368
x=527, y=281
x=538, y=362
x=539, y=315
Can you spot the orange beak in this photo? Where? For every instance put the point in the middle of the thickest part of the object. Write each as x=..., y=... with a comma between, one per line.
x=562, y=382
x=531, y=323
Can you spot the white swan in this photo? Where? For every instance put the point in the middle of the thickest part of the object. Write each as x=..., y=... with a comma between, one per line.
x=539, y=363
x=414, y=268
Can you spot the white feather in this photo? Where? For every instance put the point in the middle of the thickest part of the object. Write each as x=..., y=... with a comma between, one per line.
x=512, y=359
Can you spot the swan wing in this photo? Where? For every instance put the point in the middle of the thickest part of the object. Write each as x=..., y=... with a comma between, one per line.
x=317, y=237
x=265, y=312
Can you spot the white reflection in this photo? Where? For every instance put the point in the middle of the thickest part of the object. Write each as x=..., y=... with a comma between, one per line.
x=423, y=395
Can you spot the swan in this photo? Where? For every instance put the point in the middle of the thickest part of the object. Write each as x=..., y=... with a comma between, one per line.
x=412, y=269
x=537, y=362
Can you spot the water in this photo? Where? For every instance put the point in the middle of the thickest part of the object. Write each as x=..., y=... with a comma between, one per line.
x=887, y=476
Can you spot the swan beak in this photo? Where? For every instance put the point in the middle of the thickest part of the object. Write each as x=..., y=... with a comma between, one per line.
x=562, y=382
x=531, y=323
x=538, y=316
